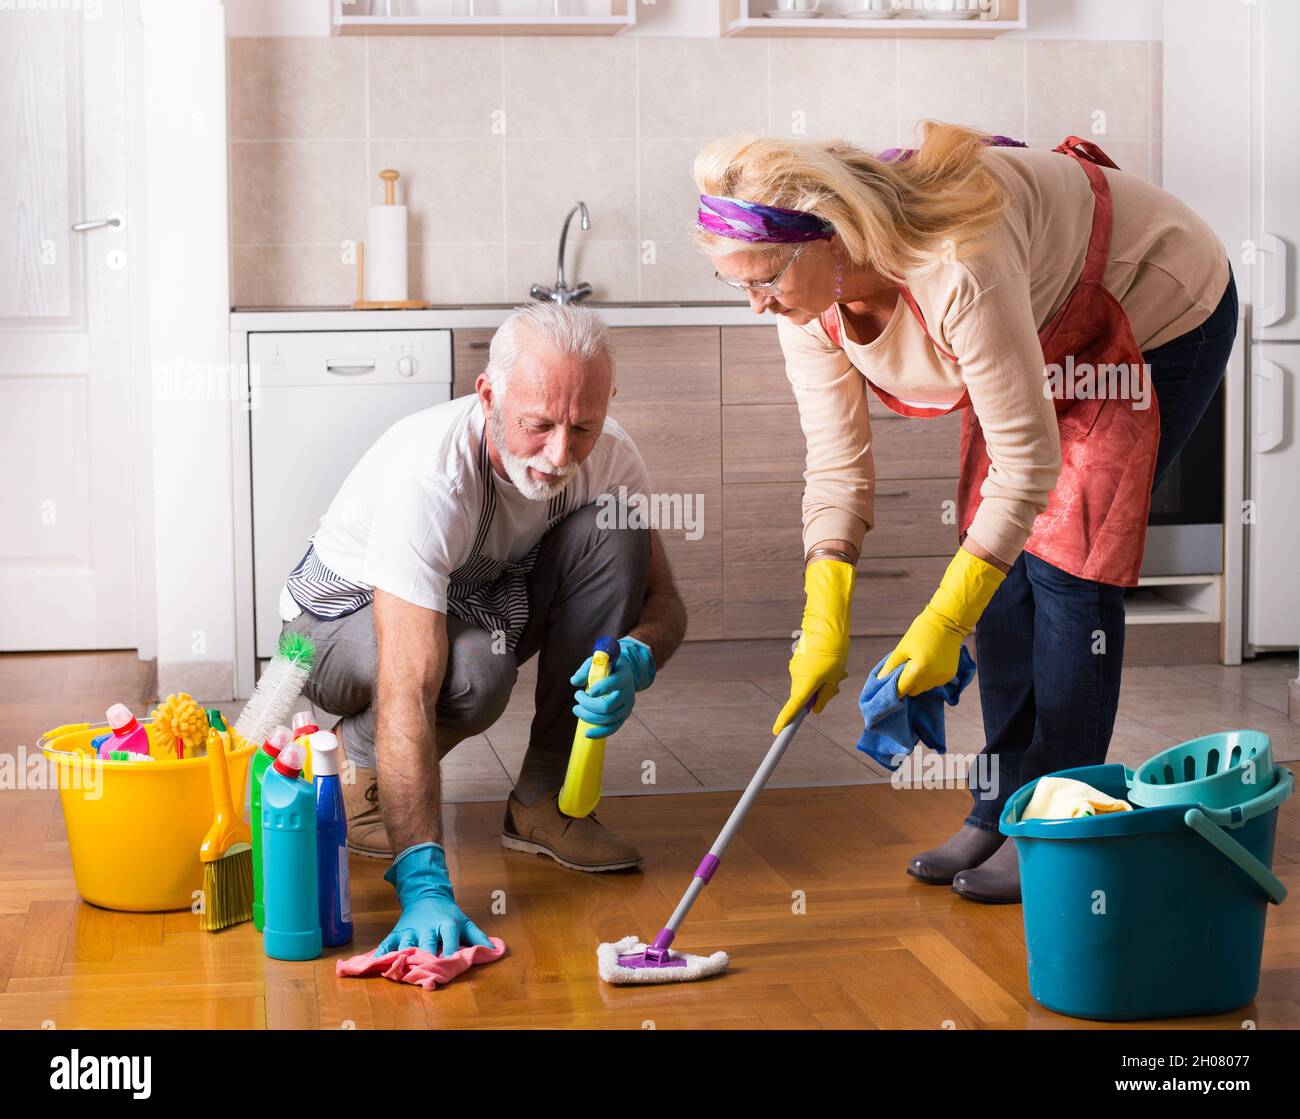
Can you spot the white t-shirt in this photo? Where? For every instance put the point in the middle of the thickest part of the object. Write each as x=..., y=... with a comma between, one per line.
x=409, y=513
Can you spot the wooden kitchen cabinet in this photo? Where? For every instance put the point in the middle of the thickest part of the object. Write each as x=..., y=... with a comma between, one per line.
x=904, y=556
x=713, y=415
x=668, y=398
x=469, y=357
x=764, y=443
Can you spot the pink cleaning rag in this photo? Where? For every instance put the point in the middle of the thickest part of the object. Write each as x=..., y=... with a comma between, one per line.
x=415, y=965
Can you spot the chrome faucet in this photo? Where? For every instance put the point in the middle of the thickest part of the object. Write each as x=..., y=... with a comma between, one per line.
x=562, y=293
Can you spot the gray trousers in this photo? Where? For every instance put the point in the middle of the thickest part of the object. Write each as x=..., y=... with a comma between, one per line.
x=587, y=582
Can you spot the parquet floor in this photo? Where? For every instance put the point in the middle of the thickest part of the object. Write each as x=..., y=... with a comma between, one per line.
x=823, y=926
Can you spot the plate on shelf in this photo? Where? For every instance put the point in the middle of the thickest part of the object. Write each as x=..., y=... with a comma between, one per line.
x=964, y=13
x=777, y=13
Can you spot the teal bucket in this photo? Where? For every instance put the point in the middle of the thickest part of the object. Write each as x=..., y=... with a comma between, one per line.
x=1154, y=913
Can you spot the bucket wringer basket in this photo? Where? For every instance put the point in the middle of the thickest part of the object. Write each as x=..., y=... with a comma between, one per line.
x=1158, y=912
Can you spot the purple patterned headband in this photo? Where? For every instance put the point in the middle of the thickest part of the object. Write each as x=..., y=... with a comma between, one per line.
x=752, y=221
x=901, y=154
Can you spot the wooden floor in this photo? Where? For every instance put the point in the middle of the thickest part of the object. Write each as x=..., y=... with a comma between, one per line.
x=872, y=947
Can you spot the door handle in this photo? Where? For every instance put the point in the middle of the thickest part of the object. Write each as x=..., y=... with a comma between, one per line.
x=1268, y=426
x=1274, y=310
x=95, y=223
x=349, y=367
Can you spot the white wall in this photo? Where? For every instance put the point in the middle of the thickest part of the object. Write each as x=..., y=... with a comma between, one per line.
x=271, y=18
x=181, y=188
x=1094, y=19
x=1048, y=19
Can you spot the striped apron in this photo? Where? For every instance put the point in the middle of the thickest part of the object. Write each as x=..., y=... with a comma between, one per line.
x=485, y=592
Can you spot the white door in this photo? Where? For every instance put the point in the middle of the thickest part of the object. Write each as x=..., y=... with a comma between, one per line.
x=67, y=546
x=1273, y=525
x=1277, y=236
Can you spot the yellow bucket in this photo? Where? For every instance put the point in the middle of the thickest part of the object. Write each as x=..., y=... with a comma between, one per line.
x=134, y=828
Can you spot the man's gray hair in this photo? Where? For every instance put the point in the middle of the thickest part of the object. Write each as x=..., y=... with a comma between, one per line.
x=566, y=329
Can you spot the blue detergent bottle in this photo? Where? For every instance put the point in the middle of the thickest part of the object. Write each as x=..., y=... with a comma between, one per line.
x=332, y=884
x=292, y=911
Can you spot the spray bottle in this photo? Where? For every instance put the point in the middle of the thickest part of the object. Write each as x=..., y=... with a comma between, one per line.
x=580, y=792
x=261, y=762
x=333, y=885
x=292, y=929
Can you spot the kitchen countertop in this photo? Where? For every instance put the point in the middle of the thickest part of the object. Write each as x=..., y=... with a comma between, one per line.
x=487, y=315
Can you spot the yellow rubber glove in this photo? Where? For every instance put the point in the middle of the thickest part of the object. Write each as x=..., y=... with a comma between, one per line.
x=932, y=643
x=818, y=663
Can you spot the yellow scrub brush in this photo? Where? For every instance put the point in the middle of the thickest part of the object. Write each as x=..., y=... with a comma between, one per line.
x=181, y=724
x=227, y=849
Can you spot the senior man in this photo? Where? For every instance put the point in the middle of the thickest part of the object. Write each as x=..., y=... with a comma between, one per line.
x=468, y=538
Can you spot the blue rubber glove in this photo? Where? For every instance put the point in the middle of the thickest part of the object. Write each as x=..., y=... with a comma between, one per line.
x=430, y=918
x=609, y=702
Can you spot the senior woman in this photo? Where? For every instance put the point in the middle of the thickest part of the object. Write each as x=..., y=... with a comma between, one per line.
x=974, y=273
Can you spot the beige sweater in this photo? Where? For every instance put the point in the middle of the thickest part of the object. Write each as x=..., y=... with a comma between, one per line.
x=1166, y=268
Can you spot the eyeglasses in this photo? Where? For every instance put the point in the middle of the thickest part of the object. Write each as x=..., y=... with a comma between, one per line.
x=764, y=287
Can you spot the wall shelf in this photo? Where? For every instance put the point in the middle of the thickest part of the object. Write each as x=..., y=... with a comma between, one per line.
x=623, y=16
x=746, y=18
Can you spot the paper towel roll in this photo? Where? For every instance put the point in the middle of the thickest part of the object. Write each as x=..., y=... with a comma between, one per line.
x=386, y=254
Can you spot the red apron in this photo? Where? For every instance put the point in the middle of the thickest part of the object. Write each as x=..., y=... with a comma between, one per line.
x=1094, y=526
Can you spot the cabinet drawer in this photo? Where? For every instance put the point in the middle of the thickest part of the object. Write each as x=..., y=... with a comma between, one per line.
x=762, y=522
x=764, y=443
x=753, y=366
x=767, y=600
x=673, y=364
x=470, y=358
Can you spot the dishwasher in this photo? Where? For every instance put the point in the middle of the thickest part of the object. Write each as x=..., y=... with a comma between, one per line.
x=320, y=400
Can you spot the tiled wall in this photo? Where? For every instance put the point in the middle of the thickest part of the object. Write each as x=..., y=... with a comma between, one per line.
x=495, y=138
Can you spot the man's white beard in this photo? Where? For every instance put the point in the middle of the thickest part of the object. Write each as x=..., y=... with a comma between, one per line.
x=517, y=468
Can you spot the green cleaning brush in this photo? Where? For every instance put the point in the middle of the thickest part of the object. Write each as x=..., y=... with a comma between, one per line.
x=227, y=852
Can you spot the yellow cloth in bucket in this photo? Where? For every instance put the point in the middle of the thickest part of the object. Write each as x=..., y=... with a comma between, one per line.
x=1063, y=798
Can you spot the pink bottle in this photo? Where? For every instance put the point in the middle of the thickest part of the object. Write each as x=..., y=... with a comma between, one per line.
x=128, y=734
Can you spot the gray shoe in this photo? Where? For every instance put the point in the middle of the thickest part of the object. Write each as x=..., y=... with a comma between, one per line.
x=996, y=881
x=968, y=848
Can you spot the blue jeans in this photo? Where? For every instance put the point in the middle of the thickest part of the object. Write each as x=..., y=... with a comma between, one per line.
x=1050, y=646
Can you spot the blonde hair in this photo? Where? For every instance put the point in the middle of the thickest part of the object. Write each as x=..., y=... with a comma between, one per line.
x=896, y=216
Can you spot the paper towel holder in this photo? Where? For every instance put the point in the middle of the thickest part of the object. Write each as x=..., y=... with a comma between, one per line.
x=361, y=303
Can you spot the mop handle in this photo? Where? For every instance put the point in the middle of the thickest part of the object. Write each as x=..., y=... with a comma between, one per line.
x=709, y=864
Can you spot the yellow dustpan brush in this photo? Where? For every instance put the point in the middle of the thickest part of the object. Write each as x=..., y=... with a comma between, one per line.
x=227, y=852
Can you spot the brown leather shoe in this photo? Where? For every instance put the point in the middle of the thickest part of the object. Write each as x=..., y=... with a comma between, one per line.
x=541, y=828
x=366, y=833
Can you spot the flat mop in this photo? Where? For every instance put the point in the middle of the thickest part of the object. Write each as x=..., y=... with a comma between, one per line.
x=631, y=961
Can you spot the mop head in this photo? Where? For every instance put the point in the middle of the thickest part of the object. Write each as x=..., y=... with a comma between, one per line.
x=624, y=962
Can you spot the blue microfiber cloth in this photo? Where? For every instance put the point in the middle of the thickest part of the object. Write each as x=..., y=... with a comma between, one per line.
x=896, y=723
